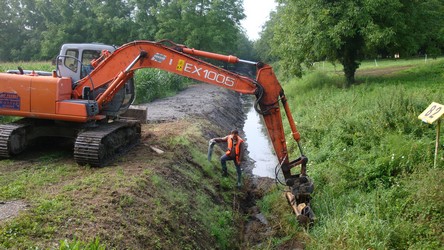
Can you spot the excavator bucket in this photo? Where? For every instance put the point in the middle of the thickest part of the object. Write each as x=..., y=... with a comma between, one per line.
x=303, y=211
x=137, y=112
x=299, y=199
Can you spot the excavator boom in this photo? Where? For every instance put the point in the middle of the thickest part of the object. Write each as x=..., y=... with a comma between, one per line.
x=176, y=59
x=160, y=56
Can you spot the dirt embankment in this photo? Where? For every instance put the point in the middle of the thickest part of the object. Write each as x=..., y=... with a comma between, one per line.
x=223, y=108
x=220, y=106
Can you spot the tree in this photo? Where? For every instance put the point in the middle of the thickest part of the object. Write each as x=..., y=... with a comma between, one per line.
x=18, y=37
x=35, y=29
x=349, y=30
x=144, y=12
x=262, y=46
x=78, y=21
x=8, y=24
x=212, y=25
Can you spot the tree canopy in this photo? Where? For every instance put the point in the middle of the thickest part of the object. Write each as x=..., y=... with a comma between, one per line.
x=35, y=29
x=349, y=31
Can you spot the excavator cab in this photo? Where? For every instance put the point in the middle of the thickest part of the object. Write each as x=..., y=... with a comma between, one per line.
x=75, y=60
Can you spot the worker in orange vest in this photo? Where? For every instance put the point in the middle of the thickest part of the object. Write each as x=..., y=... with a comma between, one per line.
x=235, y=151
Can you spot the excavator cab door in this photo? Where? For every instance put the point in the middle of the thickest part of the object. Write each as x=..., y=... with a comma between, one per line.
x=87, y=57
x=74, y=59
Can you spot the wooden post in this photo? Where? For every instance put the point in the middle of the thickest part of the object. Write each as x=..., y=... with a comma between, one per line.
x=433, y=113
x=438, y=126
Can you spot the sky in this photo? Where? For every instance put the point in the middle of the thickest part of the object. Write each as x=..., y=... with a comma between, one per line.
x=257, y=12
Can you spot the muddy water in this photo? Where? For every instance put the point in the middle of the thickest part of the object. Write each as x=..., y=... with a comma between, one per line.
x=259, y=145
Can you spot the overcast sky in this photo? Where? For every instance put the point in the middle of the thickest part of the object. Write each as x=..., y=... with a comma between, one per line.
x=257, y=12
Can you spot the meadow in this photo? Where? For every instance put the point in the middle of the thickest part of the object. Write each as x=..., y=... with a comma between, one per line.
x=371, y=158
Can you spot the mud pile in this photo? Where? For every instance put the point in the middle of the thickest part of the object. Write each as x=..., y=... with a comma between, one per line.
x=220, y=106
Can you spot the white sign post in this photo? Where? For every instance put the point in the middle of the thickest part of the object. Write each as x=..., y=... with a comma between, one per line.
x=433, y=113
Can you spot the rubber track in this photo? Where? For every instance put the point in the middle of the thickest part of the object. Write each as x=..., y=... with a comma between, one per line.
x=6, y=131
x=89, y=149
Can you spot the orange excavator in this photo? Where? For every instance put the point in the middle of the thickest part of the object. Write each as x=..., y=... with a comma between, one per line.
x=87, y=107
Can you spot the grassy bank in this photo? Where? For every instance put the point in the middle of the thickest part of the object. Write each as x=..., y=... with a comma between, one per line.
x=146, y=200
x=371, y=159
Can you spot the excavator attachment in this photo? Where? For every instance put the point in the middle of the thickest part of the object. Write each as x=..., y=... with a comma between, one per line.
x=300, y=187
x=299, y=199
x=137, y=112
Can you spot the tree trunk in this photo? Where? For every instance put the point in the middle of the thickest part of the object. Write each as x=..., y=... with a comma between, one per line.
x=349, y=71
x=349, y=58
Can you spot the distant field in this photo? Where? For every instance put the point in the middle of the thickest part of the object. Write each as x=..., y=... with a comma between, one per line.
x=322, y=66
x=43, y=66
x=377, y=63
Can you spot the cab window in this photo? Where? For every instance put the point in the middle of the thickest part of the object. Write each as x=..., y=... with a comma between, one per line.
x=87, y=57
x=70, y=62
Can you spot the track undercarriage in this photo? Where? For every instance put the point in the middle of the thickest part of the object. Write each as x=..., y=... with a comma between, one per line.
x=99, y=145
x=95, y=144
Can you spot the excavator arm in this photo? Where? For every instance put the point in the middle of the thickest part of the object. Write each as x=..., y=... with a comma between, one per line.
x=181, y=60
x=178, y=59
x=146, y=54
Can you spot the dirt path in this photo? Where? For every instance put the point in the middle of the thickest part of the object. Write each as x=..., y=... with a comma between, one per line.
x=381, y=71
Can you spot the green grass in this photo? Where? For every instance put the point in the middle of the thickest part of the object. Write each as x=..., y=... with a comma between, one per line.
x=80, y=245
x=371, y=158
x=376, y=64
x=24, y=183
x=153, y=84
x=40, y=66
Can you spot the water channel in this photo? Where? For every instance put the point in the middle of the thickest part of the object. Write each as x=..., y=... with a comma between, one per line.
x=259, y=144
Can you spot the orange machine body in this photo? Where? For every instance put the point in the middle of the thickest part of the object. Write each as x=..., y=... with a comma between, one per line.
x=43, y=97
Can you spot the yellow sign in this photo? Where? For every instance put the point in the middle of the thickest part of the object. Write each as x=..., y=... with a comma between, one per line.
x=180, y=64
x=432, y=113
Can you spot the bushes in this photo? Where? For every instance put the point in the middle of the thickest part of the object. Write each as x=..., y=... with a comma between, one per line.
x=152, y=84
